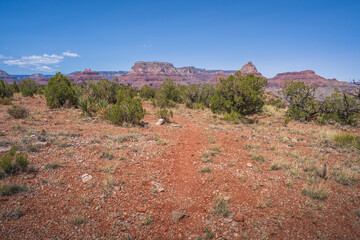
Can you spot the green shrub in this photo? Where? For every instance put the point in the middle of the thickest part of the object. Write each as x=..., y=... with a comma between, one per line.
x=301, y=98
x=129, y=111
x=147, y=92
x=5, y=89
x=13, y=150
x=18, y=112
x=197, y=96
x=85, y=106
x=5, y=101
x=341, y=107
x=6, y=164
x=165, y=114
x=123, y=94
x=11, y=189
x=21, y=161
x=168, y=94
x=59, y=91
x=318, y=193
x=15, y=87
x=103, y=90
x=243, y=95
x=28, y=87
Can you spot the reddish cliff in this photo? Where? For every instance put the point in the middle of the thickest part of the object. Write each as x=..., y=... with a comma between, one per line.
x=81, y=77
x=309, y=77
x=250, y=68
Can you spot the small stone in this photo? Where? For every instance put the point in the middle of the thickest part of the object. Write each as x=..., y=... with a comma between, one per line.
x=40, y=144
x=127, y=236
x=239, y=217
x=160, y=122
x=249, y=165
x=208, y=222
x=141, y=209
x=86, y=177
x=177, y=215
x=294, y=140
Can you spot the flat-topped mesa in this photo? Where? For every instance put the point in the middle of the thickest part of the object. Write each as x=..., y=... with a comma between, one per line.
x=87, y=74
x=308, y=76
x=153, y=68
x=250, y=68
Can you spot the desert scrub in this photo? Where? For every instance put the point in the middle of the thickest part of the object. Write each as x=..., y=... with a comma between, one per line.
x=316, y=192
x=347, y=140
x=18, y=112
x=205, y=170
x=53, y=166
x=277, y=165
x=11, y=189
x=344, y=177
x=11, y=164
x=221, y=206
x=130, y=111
x=258, y=158
x=78, y=220
x=59, y=91
x=5, y=101
x=28, y=87
x=107, y=155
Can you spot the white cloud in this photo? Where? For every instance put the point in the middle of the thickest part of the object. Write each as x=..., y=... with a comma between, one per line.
x=40, y=63
x=70, y=54
x=4, y=57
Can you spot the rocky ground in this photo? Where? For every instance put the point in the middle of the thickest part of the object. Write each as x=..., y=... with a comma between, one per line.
x=198, y=177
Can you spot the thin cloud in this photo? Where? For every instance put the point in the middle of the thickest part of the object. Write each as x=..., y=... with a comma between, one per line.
x=42, y=63
x=70, y=54
x=5, y=57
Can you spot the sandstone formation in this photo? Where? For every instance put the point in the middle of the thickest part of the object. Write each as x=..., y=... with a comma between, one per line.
x=309, y=77
x=250, y=68
x=87, y=74
x=39, y=78
x=111, y=75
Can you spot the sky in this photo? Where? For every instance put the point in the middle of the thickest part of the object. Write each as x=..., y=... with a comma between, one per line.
x=277, y=36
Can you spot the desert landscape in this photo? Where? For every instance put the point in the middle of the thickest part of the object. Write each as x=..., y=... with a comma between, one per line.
x=179, y=120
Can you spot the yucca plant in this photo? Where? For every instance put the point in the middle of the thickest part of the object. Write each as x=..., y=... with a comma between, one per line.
x=84, y=105
x=102, y=107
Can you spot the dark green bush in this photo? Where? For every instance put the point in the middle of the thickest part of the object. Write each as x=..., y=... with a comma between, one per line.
x=5, y=89
x=15, y=87
x=28, y=87
x=18, y=112
x=341, y=107
x=197, y=96
x=301, y=98
x=103, y=90
x=239, y=94
x=147, y=92
x=59, y=91
x=168, y=94
x=129, y=111
x=123, y=94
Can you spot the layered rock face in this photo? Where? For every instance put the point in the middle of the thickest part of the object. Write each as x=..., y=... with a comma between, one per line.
x=155, y=73
x=39, y=78
x=250, y=68
x=87, y=74
x=309, y=77
x=6, y=77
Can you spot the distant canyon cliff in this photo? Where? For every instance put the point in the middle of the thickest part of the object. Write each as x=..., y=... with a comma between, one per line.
x=154, y=73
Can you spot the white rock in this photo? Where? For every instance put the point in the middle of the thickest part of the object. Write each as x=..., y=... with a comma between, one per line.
x=249, y=165
x=160, y=122
x=86, y=177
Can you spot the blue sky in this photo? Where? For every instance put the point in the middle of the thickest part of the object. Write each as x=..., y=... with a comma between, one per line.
x=277, y=36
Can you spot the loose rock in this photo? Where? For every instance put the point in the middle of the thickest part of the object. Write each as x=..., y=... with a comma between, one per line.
x=177, y=215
